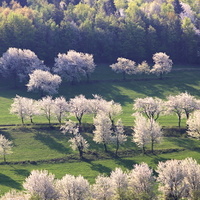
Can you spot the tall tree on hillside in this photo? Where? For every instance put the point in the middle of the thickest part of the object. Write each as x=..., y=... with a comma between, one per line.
x=193, y=123
x=73, y=65
x=124, y=66
x=40, y=184
x=171, y=177
x=24, y=108
x=149, y=106
x=77, y=141
x=141, y=182
x=146, y=131
x=60, y=108
x=163, y=64
x=71, y=187
x=102, y=132
x=5, y=147
x=43, y=81
x=78, y=106
x=46, y=105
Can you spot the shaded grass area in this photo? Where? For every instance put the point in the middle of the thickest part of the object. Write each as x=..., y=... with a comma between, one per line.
x=49, y=149
x=110, y=86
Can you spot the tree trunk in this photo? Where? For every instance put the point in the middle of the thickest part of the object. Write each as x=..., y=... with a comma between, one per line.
x=152, y=146
x=179, y=121
x=105, y=147
x=117, y=148
x=31, y=119
x=22, y=121
x=80, y=153
x=4, y=158
x=143, y=150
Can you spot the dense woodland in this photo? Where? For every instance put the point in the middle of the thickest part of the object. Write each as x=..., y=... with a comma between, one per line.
x=108, y=29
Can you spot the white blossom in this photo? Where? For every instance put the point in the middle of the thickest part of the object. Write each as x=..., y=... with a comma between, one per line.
x=41, y=184
x=124, y=66
x=118, y=136
x=5, y=147
x=194, y=125
x=163, y=64
x=60, y=108
x=101, y=189
x=102, y=132
x=15, y=195
x=141, y=182
x=73, y=188
x=19, y=63
x=171, y=176
x=46, y=107
x=119, y=183
x=44, y=81
x=151, y=107
x=73, y=65
x=24, y=108
x=78, y=106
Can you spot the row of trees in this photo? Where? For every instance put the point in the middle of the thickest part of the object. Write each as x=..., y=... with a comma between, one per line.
x=108, y=29
x=176, y=179
x=183, y=105
x=19, y=64
x=108, y=130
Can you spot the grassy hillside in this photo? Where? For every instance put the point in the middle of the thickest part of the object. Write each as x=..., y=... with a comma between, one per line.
x=110, y=86
x=46, y=148
x=49, y=149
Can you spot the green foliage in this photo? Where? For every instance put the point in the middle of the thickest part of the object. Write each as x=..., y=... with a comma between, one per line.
x=106, y=28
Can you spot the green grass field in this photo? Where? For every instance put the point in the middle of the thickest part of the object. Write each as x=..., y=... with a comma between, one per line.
x=110, y=86
x=44, y=145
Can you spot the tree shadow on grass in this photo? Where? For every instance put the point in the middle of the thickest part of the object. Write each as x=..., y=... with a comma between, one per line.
x=186, y=143
x=101, y=168
x=22, y=172
x=52, y=143
x=9, y=182
x=127, y=163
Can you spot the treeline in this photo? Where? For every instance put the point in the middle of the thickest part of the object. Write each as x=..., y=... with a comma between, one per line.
x=108, y=29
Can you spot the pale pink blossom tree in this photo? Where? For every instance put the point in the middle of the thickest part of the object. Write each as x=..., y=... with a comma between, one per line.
x=73, y=188
x=124, y=66
x=101, y=189
x=163, y=64
x=78, y=107
x=77, y=141
x=44, y=81
x=46, y=105
x=60, y=108
x=24, y=108
x=189, y=103
x=73, y=65
x=119, y=183
x=102, y=132
x=17, y=64
x=41, y=184
x=171, y=177
x=141, y=182
x=146, y=131
x=149, y=106
x=5, y=147
x=15, y=195
x=194, y=125
x=192, y=177
x=118, y=136
x=174, y=105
